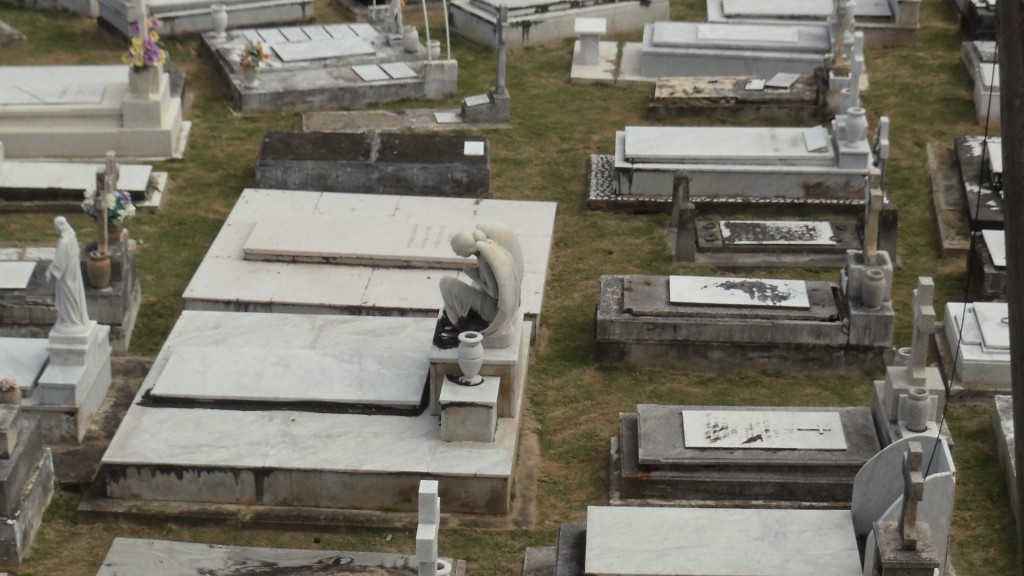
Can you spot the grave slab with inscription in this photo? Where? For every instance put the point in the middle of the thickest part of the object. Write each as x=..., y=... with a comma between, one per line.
x=795, y=455
x=329, y=66
x=393, y=280
x=375, y=163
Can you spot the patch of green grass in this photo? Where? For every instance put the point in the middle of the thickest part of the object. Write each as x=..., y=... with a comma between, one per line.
x=574, y=402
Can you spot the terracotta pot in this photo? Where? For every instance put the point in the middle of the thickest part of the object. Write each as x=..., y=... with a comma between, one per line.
x=12, y=396
x=471, y=358
x=114, y=231
x=98, y=270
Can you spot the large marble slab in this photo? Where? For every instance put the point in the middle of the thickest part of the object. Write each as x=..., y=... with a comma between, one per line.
x=726, y=145
x=632, y=541
x=717, y=291
x=25, y=174
x=15, y=275
x=66, y=85
x=777, y=233
x=24, y=359
x=995, y=241
x=363, y=361
x=225, y=280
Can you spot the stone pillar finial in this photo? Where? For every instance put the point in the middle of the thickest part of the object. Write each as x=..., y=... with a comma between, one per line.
x=924, y=325
x=871, y=216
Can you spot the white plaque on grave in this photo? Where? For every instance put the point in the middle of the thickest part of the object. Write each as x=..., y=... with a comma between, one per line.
x=371, y=73
x=294, y=34
x=477, y=100
x=757, y=292
x=995, y=155
x=447, y=117
x=776, y=233
x=15, y=275
x=58, y=95
x=364, y=30
x=748, y=33
x=816, y=139
x=995, y=241
x=782, y=80
x=473, y=148
x=340, y=31
x=775, y=8
x=994, y=324
x=398, y=70
x=754, y=84
x=775, y=430
x=322, y=49
x=268, y=35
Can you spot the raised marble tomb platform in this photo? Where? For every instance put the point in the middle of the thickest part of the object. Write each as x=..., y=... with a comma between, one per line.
x=86, y=111
x=974, y=347
x=26, y=482
x=281, y=251
x=306, y=412
x=329, y=66
x=689, y=321
x=178, y=17
x=375, y=163
x=980, y=59
x=786, y=456
x=548, y=21
x=755, y=163
x=885, y=23
x=630, y=541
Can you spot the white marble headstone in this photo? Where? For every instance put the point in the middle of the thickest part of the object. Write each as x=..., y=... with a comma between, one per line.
x=763, y=430
x=995, y=241
x=15, y=275
x=757, y=292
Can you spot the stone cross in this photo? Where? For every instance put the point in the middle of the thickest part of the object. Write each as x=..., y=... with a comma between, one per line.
x=502, y=40
x=882, y=145
x=141, y=20
x=110, y=175
x=924, y=325
x=428, y=528
x=684, y=220
x=913, y=492
x=843, y=33
x=871, y=215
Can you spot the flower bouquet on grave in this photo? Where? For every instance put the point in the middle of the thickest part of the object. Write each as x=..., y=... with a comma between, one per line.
x=145, y=52
x=250, y=59
x=9, y=391
x=119, y=209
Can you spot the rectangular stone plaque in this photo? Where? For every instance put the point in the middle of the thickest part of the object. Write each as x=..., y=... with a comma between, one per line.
x=322, y=49
x=59, y=94
x=782, y=80
x=754, y=84
x=995, y=241
x=15, y=275
x=748, y=33
x=370, y=73
x=756, y=292
x=269, y=35
x=477, y=100
x=722, y=145
x=340, y=31
x=294, y=34
x=473, y=148
x=994, y=324
x=316, y=32
x=776, y=8
x=995, y=155
x=368, y=241
x=364, y=30
x=763, y=430
x=816, y=139
x=398, y=70
x=775, y=233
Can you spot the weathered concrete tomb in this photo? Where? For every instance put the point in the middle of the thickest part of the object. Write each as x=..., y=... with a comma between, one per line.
x=375, y=163
x=547, y=21
x=26, y=483
x=987, y=276
x=180, y=17
x=778, y=455
x=329, y=66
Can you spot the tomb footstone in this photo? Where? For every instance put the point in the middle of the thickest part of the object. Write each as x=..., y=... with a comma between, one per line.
x=800, y=456
x=371, y=163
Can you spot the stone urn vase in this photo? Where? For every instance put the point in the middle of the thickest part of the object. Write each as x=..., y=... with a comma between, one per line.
x=251, y=77
x=144, y=82
x=219, y=18
x=98, y=269
x=873, y=291
x=915, y=415
x=411, y=39
x=434, y=49
x=470, y=356
x=856, y=125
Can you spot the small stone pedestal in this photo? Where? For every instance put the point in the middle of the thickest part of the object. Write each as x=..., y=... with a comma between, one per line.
x=469, y=413
x=891, y=559
x=590, y=31
x=76, y=379
x=26, y=483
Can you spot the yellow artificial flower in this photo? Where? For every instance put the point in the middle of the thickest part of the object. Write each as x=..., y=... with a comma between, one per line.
x=126, y=58
x=153, y=35
x=163, y=58
x=136, y=43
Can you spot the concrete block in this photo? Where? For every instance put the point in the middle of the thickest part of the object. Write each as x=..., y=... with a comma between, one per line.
x=469, y=414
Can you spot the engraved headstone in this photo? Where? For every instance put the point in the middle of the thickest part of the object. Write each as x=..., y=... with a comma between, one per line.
x=777, y=233
x=763, y=430
x=715, y=291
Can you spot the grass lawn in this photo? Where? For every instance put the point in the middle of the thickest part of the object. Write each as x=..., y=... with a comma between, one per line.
x=573, y=402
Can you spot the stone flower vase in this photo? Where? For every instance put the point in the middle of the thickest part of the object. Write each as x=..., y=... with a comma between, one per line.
x=411, y=39
x=98, y=269
x=219, y=18
x=145, y=82
x=251, y=76
x=856, y=125
x=470, y=356
x=873, y=291
x=915, y=415
x=435, y=49
x=10, y=396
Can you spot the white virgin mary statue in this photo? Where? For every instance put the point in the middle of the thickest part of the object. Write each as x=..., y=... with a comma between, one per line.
x=66, y=270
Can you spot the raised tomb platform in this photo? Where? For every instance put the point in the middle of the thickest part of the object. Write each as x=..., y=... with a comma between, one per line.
x=286, y=247
x=86, y=111
x=180, y=17
x=26, y=483
x=974, y=347
x=885, y=23
x=329, y=66
x=689, y=321
x=781, y=456
x=548, y=21
x=980, y=59
x=375, y=163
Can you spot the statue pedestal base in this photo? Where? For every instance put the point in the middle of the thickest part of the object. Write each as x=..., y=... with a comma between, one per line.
x=76, y=379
